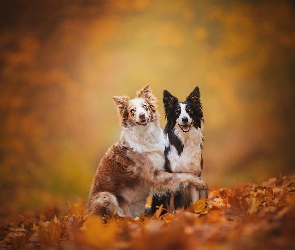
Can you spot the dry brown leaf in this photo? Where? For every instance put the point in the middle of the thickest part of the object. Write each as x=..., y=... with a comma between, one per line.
x=158, y=212
x=49, y=235
x=217, y=202
x=168, y=217
x=78, y=207
x=246, y=216
x=236, y=207
x=199, y=207
x=19, y=242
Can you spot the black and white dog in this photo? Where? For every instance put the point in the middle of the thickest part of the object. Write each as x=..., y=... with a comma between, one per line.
x=183, y=148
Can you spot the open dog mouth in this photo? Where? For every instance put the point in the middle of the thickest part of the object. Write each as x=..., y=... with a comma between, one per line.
x=185, y=127
x=143, y=122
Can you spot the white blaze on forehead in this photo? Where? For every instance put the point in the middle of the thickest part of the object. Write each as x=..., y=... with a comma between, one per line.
x=137, y=104
x=183, y=113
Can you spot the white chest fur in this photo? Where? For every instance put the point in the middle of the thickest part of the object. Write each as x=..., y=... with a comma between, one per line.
x=190, y=159
x=148, y=140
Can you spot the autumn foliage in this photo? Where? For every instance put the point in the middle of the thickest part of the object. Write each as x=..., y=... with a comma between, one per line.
x=249, y=216
x=60, y=63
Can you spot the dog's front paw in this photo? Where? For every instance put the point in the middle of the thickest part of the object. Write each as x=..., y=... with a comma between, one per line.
x=200, y=184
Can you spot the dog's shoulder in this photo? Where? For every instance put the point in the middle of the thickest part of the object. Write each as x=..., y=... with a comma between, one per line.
x=144, y=139
x=120, y=166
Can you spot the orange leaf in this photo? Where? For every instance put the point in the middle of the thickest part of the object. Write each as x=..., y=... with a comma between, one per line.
x=50, y=236
x=97, y=234
x=236, y=206
x=157, y=214
x=168, y=217
x=77, y=207
x=199, y=207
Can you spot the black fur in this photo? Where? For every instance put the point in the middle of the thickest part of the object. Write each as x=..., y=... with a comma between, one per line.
x=194, y=102
x=172, y=106
x=167, y=162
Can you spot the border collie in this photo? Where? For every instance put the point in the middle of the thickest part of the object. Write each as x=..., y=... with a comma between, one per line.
x=183, y=150
x=133, y=167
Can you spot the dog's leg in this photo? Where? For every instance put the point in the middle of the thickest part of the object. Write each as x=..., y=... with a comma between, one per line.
x=164, y=180
x=195, y=180
x=157, y=201
x=203, y=193
x=195, y=194
x=105, y=203
x=171, y=207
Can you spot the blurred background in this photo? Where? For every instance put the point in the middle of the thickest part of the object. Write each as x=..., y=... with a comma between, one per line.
x=61, y=61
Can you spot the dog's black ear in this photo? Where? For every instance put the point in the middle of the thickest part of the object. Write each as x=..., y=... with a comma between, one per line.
x=194, y=97
x=169, y=101
x=195, y=101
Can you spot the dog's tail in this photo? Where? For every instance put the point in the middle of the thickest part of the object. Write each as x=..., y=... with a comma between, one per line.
x=104, y=203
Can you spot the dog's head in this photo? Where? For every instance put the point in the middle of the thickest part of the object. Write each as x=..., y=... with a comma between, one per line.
x=140, y=111
x=184, y=114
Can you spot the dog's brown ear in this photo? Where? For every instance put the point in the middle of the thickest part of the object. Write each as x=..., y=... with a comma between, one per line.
x=146, y=93
x=121, y=103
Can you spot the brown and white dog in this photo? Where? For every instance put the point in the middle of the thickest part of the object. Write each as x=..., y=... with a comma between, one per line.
x=133, y=167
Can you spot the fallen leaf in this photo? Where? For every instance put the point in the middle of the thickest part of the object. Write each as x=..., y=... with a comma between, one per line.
x=247, y=215
x=158, y=212
x=255, y=201
x=77, y=207
x=236, y=206
x=168, y=217
x=217, y=202
x=98, y=234
x=199, y=207
x=49, y=235
x=19, y=242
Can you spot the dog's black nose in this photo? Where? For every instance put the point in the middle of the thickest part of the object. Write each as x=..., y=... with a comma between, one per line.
x=142, y=116
x=185, y=119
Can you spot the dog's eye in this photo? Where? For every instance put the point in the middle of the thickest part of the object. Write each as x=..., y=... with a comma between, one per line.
x=177, y=111
x=145, y=107
x=132, y=111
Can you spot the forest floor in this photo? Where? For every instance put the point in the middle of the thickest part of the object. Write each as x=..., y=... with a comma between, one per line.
x=249, y=216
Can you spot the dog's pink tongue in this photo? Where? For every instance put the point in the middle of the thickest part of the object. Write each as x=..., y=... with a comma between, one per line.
x=185, y=128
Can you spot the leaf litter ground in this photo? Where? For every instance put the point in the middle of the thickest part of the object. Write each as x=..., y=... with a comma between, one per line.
x=249, y=216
